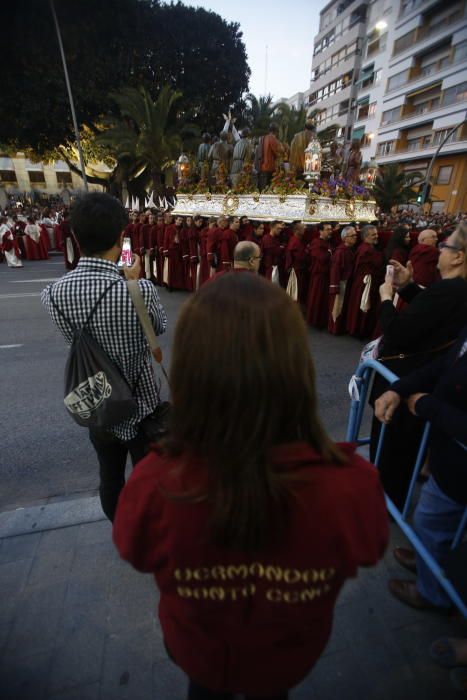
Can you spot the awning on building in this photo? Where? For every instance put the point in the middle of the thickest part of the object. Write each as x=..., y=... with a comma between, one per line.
x=358, y=133
x=366, y=73
x=363, y=101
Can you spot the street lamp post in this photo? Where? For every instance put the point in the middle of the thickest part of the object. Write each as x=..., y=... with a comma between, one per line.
x=70, y=96
x=432, y=162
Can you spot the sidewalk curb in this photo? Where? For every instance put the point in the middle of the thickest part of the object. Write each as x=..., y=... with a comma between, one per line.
x=52, y=516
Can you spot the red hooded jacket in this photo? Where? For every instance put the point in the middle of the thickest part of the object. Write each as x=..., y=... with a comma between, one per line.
x=252, y=623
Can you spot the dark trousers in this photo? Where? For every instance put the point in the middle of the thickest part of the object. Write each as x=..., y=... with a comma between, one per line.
x=197, y=692
x=400, y=449
x=112, y=454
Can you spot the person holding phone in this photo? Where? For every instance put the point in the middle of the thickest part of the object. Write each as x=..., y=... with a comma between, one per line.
x=97, y=295
x=424, y=329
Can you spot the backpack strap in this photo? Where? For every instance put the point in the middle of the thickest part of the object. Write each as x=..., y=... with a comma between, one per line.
x=93, y=310
x=91, y=313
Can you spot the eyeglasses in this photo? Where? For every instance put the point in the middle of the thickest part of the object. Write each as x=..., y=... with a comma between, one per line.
x=443, y=245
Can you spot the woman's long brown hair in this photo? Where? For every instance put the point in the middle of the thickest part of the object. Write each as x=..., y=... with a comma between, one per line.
x=242, y=382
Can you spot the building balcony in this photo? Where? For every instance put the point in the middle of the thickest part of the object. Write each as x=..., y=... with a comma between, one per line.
x=427, y=32
x=451, y=97
x=403, y=149
x=417, y=74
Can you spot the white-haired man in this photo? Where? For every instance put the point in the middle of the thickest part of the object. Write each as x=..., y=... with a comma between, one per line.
x=342, y=265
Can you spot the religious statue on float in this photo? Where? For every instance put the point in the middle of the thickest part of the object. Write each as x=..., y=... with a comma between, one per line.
x=353, y=163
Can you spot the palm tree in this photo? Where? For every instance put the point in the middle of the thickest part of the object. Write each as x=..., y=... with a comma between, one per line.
x=258, y=113
x=393, y=186
x=289, y=120
x=146, y=139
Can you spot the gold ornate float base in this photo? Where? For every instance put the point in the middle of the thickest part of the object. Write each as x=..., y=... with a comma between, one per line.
x=268, y=207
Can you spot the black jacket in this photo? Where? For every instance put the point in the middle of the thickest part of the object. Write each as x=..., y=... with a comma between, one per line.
x=445, y=380
x=433, y=318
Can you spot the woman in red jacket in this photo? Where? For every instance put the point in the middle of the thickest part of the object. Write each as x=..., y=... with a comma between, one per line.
x=250, y=518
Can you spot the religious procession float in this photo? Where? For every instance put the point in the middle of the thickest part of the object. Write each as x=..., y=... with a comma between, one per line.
x=326, y=186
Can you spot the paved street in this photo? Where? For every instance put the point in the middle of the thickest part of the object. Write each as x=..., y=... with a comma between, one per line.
x=44, y=453
x=76, y=623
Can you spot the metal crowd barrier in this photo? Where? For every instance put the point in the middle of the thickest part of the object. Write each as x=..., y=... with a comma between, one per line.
x=360, y=384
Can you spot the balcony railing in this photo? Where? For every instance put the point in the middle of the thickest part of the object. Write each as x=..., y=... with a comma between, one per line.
x=444, y=99
x=423, y=32
x=399, y=146
x=410, y=6
x=415, y=73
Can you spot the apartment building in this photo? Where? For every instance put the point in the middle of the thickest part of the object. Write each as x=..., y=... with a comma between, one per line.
x=337, y=55
x=425, y=97
x=18, y=174
x=371, y=81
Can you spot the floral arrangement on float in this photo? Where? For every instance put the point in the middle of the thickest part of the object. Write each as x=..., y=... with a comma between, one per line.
x=245, y=183
x=339, y=188
x=221, y=185
x=284, y=183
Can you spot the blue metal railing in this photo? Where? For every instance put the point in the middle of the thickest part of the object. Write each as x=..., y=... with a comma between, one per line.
x=362, y=381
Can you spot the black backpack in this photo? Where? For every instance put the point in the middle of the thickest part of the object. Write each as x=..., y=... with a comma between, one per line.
x=96, y=393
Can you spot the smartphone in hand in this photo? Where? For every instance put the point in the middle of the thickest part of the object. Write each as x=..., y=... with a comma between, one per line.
x=126, y=258
x=390, y=272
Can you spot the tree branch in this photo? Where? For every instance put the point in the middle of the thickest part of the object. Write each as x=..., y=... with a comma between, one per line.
x=74, y=168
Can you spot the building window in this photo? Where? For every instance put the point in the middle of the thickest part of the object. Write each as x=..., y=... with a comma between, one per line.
x=36, y=177
x=376, y=43
x=404, y=42
x=366, y=140
x=460, y=52
x=390, y=115
x=64, y=178
x=385, y=148
x=439, y=136
x=457, y=93
x=413, y=144
x=7, y=176
x=444, y=175
x=398, y=80
x=409, y=6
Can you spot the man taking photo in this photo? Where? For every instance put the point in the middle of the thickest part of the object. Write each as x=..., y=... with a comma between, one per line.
x=95, y=296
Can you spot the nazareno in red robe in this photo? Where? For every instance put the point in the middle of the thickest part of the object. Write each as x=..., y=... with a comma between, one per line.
x=368, y=265
x=205, y=268
x=173, y=251
x=273, y=254
x=227, y=242
x=34, y=246
x=424, y=259
x=186, y=257
x=318, y=289
x=296, y=257
x=193, y=251
x=159, y=252
x=342, y=265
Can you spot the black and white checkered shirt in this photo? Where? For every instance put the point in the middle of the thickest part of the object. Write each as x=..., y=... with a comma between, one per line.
x=115, y=326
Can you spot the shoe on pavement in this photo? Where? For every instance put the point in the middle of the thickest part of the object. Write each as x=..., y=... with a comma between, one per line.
x=406, y=558
x=406, y=592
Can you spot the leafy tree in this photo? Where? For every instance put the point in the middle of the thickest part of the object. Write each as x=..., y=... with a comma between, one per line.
x=200, y=54
x=393, y=186
x=108, y=46
x=101, y=42
x=146, y=139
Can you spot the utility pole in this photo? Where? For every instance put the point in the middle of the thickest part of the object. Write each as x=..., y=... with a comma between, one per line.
x=70, y=95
